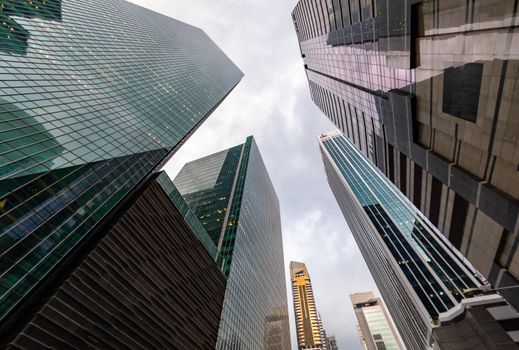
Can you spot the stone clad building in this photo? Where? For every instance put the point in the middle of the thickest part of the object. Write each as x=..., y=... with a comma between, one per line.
x=428, y=92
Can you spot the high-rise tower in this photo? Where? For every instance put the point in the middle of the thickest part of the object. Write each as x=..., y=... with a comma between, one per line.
x=376, y=330
x=332, y=343
x=94, y=95
x=231, y=194
x=152, y=281
x=427, y=284
x=309, y=328
x=427, y=91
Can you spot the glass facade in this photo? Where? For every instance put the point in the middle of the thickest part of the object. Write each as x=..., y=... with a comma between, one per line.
x=189, y=217
x=427, y=91
x=147, y=283
x=419, y=273
x=379, y=328
x=208, y=186
x=231, y=194
x=375, y=328
x=94, y=95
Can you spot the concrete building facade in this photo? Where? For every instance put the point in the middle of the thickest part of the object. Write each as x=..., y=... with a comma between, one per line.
x=427, y=91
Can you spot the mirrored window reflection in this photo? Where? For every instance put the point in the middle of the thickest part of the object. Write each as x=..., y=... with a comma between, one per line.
x=437, y=275
x=93, y=96
x=14, y=36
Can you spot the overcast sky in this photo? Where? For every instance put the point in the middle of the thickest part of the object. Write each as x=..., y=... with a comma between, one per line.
x=273, y=103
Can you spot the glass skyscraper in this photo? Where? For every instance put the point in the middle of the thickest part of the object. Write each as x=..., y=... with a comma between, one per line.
x=232, y=196
x=424, y=280
x=427, y=91
x=94, y=95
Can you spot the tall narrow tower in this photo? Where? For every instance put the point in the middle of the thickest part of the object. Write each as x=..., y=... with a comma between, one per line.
x=427, y=284
x=310, y=332
x=231, y=194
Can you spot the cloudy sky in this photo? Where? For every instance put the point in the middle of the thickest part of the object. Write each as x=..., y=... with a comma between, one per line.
x=273, y=103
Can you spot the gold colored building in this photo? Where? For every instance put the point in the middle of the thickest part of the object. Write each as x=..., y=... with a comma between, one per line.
x=310, y=333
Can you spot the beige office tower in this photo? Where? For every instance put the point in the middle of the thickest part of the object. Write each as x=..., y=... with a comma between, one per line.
x=332, y=343
x=376, y=331
x=428, y=92
x=310, y=333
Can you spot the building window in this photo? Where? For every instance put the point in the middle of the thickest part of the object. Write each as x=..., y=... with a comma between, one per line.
x=391, y=163
x=417, y=188
x=461, y=86
x=403, y=173
x=459, y=215
x=436, y=195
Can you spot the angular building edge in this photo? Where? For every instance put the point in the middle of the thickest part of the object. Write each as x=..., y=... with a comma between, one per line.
x=73, y=258
x=177, y=253
x=101, y=130
x=480, y=314
x=235, y=201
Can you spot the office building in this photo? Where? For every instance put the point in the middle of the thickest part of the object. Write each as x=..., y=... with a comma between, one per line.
x=309, y=327
x=376, y=330
x=94, y=95
x=426, y=90
x=231, y=194
x=426, y=283
x=332, y=343
x=150, y=283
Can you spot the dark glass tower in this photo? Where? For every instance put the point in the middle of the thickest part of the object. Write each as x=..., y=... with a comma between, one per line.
x=94, y=95
x=426, y=90
x=426, y=283
x=147, y=283
x=231, y=194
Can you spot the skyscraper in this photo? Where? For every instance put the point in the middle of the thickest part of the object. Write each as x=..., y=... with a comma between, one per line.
x=426, y=283
x=332, y=343
x=309, y=327
x=231, y=194
x=151, y=282
x=376, y=330
x=426, y=90
x=94, y=95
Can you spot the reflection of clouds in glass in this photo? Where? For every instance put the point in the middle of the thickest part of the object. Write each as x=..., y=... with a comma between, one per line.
x=87, y=110
x=276, y=325
x=15, y=139
x=14, y=37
